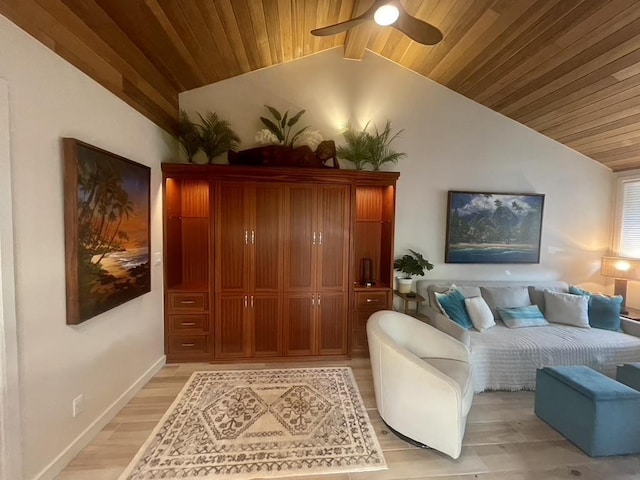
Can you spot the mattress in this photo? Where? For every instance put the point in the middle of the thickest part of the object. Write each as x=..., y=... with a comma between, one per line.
x=507, y=359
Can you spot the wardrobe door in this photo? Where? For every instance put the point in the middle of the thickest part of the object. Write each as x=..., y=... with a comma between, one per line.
x=333, y=238
x=300, y=238
x=231, y=334
x=233, y=236
x=267, y=238
x=266, y=325
x=332, y=323
x=299, y=327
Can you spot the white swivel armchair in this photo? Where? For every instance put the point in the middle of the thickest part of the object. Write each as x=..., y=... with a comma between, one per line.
x=422, y=380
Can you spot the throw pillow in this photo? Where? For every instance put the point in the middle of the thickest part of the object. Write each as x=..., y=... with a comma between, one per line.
x=505, y=297
x=567, y=309
x=480, y=313
x=578, y=291
x=604, y=311
x=467, y=291
x=518, y=317
x=536, y=293
x=452, y=302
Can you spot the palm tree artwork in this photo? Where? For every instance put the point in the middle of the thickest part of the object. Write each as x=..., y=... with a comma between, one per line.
x=113, y=231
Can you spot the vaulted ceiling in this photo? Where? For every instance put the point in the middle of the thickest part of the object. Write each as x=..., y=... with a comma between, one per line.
x=569, y=69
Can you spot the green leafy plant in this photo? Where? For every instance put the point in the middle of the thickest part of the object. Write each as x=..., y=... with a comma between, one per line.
x=380, y=147
x=188, y=136
x=364, y=148
x=216, y=136
x=282, y=125
x=356, y=149
x=414, y=264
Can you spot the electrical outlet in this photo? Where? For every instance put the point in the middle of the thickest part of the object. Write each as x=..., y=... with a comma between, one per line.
x=78, y=405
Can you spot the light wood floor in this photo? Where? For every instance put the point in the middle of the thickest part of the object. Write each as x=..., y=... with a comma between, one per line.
x=504, y=439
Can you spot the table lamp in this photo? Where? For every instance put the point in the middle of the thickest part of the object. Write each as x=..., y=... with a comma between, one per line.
x=622, y=269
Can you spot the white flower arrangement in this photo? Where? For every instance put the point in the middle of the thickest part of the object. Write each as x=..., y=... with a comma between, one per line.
x=311, y=138
x=266, y=137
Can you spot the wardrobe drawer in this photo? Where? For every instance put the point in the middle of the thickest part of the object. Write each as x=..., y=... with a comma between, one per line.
x=188, y=345
x=188, y=301
x=185, y=323
x=360, y=319
x=371, y=301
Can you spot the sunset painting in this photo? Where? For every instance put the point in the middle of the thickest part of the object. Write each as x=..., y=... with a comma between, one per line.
x=109, y=230
x=493, y=227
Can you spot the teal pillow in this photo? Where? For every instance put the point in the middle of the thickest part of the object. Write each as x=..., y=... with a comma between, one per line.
x=578, y=291
x=604, y=311
x=518, y=317
x=452, y=303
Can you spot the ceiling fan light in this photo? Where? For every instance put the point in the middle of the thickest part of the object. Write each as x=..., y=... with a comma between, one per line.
x=386, y=15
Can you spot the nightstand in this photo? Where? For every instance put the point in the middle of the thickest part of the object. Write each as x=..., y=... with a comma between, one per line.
x=408, y=299
x=632, y=314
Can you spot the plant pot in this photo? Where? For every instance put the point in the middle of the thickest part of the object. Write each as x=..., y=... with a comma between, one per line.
x=404, y=284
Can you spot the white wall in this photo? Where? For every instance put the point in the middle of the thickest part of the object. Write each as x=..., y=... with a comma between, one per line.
x=10, y=431
x=452, y=144
x=105, y=356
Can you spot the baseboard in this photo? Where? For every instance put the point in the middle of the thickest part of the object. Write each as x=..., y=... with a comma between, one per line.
x=82, y=440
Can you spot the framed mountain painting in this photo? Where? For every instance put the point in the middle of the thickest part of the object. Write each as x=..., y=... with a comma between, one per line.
x=493, y=227
x=107, y=230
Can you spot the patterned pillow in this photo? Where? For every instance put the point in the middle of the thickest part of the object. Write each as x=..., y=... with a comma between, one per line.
x=518, y=317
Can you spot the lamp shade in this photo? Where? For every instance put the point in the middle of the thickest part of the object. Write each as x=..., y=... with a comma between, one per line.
x=620, y=267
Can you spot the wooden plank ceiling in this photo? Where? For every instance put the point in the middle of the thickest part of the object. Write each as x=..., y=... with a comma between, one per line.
x=569, y=69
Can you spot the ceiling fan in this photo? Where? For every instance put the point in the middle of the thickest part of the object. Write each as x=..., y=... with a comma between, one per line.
x=388, y=13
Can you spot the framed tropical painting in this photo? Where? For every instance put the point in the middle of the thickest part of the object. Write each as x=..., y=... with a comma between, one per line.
x=493, y=227
x=107, y=230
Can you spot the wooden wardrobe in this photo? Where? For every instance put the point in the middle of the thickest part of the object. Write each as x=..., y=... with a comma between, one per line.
x=265, y=263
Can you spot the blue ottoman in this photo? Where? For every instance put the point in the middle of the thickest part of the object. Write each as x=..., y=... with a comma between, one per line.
x=597, y=414
x=629, y=374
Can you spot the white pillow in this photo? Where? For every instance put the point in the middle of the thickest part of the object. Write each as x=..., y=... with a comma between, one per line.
x=567, y=309
x=480, y=313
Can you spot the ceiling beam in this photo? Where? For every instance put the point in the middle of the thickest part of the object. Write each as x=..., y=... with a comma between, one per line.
x=358, y=37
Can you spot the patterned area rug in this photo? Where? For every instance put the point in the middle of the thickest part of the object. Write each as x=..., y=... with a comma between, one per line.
x=242, y=424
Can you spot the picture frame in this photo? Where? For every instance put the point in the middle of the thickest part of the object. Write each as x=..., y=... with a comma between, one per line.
x=107, y=230
x=490, y=227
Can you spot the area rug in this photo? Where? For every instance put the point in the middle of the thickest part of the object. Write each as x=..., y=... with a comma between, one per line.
x=242, y=424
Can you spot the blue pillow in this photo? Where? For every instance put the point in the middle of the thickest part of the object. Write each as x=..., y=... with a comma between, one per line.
x=578, y=291
x=452, y=302
x=518, y=317
x=604, y=311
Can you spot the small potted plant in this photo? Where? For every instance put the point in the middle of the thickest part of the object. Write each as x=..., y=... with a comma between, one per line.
x=188, y=136
x=374, y=149
x=410, y=265
x=216, y=136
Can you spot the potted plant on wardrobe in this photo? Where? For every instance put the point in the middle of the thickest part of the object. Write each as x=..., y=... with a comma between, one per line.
x=410, y=265
x=374, y=149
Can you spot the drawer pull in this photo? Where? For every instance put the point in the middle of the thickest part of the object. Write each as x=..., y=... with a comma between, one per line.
x=373, y=300
x=188, y=344
x=188, y=302
x=188, y=324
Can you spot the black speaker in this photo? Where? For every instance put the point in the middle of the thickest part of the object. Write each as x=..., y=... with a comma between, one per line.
x=366, y=272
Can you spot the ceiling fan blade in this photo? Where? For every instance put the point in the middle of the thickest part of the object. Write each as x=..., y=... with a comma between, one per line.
x=418, y=30
x=338, y=27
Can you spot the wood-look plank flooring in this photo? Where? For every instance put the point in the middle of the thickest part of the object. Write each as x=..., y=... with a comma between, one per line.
x=504, y=438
